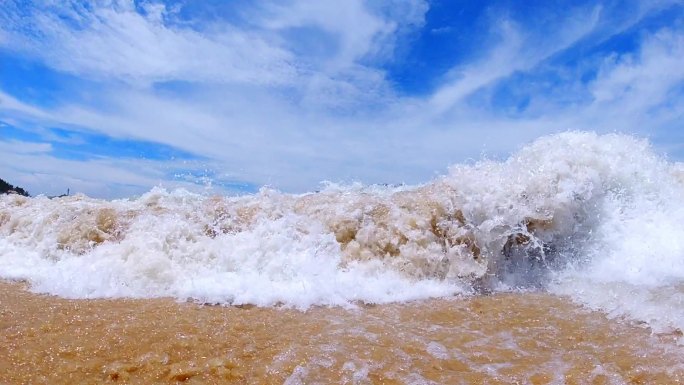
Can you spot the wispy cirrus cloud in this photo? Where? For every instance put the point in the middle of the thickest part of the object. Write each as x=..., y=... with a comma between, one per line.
x=140, y=44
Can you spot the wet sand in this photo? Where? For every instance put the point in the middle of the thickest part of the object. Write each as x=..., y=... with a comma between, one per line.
x=499, y=339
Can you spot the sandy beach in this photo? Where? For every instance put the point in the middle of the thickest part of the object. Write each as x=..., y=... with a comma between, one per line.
x=499, y=339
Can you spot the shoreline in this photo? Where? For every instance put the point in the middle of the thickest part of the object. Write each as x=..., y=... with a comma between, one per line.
x=498, y=339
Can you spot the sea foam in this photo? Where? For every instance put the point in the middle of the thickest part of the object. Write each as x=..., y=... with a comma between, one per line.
x=598, y=218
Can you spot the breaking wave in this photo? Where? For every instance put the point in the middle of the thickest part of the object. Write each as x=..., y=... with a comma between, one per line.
x=599, y=218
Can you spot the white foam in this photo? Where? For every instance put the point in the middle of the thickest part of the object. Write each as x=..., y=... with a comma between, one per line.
x=635, y=261
x=438, y=350
x=166, y=252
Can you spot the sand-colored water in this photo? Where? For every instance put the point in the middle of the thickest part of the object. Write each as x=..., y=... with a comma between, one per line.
x=498, y=339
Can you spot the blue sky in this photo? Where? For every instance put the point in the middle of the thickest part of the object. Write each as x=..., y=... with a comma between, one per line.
x=111, y=98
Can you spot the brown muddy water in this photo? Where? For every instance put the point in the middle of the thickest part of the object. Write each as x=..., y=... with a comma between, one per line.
x=498, y=339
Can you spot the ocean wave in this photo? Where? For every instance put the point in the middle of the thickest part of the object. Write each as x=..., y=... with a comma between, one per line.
x=598, y=217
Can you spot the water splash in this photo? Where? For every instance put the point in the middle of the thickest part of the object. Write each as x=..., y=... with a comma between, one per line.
x=575, y=213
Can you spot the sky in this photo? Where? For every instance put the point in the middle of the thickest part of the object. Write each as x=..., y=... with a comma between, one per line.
x=112, y=98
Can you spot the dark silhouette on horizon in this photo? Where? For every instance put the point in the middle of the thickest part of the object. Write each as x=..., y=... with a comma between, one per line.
x=6, y=188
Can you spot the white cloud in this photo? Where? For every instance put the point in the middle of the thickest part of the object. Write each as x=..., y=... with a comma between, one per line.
x=18, y=147
x=501, y=61
x=639, y=92
x=11, y=104
x=359, y=32
x=115, y=41
x=644, y=79
x=514, y=52
x=334, y=17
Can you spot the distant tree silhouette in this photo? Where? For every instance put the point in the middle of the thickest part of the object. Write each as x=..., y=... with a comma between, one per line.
x=6, y=188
